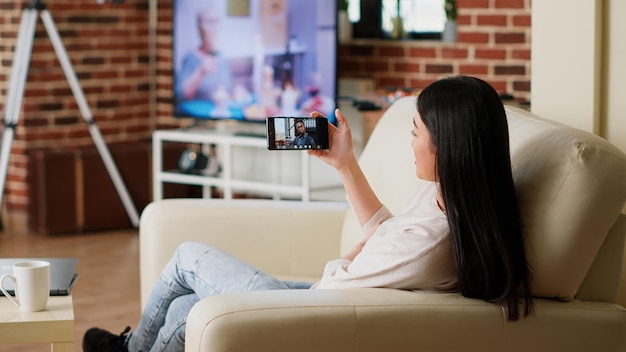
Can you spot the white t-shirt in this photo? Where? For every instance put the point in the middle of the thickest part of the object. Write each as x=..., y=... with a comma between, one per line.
x=410, y=251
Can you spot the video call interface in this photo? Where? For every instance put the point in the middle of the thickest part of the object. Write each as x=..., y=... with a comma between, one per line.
x=295, y=133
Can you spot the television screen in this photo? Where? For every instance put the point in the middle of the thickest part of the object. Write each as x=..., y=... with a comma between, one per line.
x=251, y=59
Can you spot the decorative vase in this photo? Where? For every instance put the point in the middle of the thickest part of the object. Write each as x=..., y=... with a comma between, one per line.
x=398, y=28
x=345, y=26
x=449, y=32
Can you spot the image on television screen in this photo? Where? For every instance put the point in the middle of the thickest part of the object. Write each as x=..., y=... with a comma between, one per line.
x=251, y=59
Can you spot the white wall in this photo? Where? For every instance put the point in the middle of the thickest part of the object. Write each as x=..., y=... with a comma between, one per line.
x=578, y=73
x=565, y=61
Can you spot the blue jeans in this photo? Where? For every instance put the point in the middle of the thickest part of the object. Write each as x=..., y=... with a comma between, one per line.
x=196, y=271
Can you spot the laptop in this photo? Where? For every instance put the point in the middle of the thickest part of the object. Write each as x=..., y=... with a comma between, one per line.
x=62, y=274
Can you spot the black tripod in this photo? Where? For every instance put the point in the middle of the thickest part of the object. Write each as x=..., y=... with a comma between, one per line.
x=19, y=73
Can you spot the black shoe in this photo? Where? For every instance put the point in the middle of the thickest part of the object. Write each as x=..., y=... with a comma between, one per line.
x=98, y=340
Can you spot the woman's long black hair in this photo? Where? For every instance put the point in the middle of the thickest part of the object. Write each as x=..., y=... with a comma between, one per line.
x=468, y=127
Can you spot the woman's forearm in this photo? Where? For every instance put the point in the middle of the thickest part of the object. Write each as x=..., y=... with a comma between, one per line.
x=362, y=198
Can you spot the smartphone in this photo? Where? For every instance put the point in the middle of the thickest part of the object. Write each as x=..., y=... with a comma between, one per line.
x=297, y=133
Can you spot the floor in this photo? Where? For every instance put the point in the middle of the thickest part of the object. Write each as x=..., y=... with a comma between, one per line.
x=106, y=293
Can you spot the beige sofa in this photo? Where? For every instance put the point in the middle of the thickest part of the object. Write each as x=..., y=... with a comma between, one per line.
x=572, y=188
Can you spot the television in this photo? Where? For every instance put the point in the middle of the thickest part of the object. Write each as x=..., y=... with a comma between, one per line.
x=247, y=60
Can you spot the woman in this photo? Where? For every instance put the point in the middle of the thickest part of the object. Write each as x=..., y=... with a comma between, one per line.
x=461, y=233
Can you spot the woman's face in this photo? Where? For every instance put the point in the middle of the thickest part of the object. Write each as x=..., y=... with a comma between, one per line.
x=423, y=151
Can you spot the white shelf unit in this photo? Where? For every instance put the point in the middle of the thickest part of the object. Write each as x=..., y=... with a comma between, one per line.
x=225, y=142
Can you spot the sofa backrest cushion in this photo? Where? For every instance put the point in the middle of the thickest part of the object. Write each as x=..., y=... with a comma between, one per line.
x=571, y=187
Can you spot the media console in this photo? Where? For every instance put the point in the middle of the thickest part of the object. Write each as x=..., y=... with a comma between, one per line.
x=226, y=179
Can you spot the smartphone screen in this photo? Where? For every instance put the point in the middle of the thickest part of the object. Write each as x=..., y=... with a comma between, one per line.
x=297, y=133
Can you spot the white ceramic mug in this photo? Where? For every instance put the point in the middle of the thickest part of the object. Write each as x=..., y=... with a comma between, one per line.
x=31, y=280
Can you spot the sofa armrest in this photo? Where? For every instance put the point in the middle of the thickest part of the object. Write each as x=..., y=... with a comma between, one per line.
x=284, y=238
x=371, y=319
x=332, y=320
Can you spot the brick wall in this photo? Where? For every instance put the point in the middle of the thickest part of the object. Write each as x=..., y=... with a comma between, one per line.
x=493, y=44
x=109, y=48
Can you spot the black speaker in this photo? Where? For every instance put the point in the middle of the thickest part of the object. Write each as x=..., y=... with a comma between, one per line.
x=192, y=161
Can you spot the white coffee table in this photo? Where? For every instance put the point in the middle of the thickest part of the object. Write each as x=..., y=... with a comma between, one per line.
x=55, y=325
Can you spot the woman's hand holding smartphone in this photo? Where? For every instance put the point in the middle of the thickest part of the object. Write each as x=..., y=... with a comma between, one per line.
x=341, y=147
x=333, y=145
